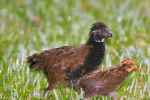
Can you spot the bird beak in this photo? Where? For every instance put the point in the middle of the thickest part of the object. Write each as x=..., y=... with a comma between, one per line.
x=133, y=68
x=109, y=34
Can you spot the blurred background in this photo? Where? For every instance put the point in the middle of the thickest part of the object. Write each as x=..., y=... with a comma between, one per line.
x=28, y=26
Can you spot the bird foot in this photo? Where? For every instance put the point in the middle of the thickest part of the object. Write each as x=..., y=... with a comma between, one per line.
x=72, y=83
x=113, y=95
x=46, y=91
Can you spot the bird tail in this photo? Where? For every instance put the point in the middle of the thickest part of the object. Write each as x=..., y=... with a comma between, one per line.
x=34, y=61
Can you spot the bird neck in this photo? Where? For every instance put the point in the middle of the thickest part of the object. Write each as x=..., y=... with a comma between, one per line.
x=92, y=60
x=95, y=56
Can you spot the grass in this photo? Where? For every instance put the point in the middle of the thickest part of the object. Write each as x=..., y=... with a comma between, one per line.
x=28, y=26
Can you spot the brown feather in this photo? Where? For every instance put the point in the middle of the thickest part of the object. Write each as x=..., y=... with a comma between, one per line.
x=105, y=82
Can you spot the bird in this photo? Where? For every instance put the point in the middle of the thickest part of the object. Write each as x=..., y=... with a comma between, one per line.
x=66, y=63
x=105, y=82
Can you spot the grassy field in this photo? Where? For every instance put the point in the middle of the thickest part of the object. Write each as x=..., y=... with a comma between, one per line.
x=28, y=26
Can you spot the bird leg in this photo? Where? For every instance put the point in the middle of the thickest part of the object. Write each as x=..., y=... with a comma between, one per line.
x=113, y=95
x=50, y=87
x=74, y=75
x=88, y=98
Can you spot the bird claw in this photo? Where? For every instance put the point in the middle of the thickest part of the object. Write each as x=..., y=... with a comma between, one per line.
x=73, y=82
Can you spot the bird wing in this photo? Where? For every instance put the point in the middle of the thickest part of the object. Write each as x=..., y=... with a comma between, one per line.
x=67, y=57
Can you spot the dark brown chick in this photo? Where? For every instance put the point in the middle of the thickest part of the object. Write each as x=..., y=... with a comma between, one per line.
x=68, y=62
x=105, y=82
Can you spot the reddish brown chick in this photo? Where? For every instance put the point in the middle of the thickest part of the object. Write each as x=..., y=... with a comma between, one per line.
x=105, y=82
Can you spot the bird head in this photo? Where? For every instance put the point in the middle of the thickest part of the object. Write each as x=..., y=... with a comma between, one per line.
x=99, y=32
x=129, y=65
